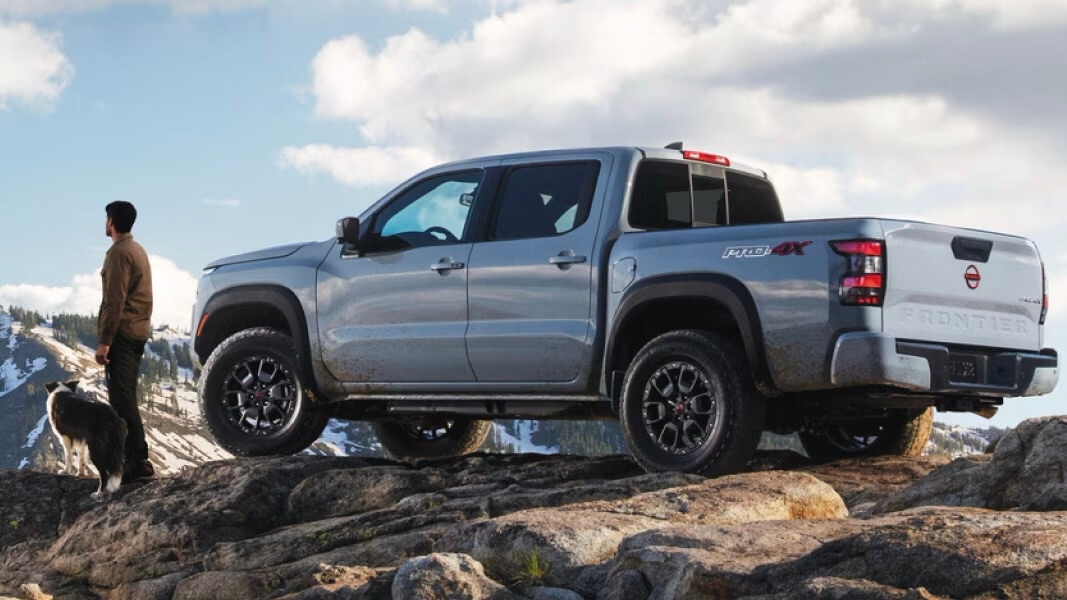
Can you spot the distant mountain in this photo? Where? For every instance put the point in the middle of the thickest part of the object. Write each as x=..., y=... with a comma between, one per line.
x=956, y=441
x=32, y=356
x=177, y=437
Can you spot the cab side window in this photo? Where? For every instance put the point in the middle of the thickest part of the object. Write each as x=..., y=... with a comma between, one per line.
x=545, y=200
x=432, y=212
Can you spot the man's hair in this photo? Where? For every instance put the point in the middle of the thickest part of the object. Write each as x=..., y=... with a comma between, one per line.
x=122, y=214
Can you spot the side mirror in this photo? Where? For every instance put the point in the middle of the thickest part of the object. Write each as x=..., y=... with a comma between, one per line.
x=347, y=231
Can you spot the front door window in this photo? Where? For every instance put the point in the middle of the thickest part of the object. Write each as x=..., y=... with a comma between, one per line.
x=433, y=212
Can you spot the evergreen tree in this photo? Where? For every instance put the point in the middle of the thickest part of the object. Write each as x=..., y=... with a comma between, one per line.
x=28, y=318
x=74, y=330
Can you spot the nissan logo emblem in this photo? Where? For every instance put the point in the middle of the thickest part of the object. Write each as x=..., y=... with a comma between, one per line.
x=972, y=277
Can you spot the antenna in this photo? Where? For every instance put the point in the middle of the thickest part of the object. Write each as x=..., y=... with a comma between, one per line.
x=674, y=146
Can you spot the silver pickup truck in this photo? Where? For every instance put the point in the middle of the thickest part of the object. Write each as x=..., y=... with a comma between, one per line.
x=657, y=286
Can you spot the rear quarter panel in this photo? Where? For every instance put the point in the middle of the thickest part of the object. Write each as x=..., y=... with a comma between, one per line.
x=795, y=292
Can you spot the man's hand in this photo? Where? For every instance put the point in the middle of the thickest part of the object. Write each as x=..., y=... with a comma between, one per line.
x=101, y=354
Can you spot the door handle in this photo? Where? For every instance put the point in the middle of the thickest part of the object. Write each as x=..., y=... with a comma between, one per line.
x=446, y=266
x=566, y=259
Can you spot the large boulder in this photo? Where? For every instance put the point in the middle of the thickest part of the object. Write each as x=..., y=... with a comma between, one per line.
x=940, y=551
x=862, y=482
x=447, y=577
x=570, y=538
x=949, y=552
x=1026, y=471
x=713, y=561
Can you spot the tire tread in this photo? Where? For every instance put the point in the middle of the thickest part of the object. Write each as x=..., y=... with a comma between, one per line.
x=745, y=406
x=306, y=430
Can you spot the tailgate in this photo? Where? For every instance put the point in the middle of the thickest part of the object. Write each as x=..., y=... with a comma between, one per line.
x=956, y=286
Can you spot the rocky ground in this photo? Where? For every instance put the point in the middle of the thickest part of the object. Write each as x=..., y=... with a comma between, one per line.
x=552, y=528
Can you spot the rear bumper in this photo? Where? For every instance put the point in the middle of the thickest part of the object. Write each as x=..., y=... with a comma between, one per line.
x=865, y=359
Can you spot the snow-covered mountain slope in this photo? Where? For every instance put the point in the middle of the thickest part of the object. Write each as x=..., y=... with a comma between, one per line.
x=956, y=441
x=13, y=371
x=30, y=358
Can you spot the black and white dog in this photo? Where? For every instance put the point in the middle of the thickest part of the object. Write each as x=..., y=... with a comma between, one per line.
x=82, y=423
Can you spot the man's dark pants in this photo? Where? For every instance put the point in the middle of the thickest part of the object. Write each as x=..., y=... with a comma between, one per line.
x=124, y=362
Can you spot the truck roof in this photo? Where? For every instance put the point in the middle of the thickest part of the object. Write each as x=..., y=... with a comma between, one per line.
x=647, y=151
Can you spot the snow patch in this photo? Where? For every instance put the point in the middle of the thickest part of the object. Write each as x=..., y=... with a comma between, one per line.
x=337, y=441
x=12, y=376
x=31, y=438
x=521, y=441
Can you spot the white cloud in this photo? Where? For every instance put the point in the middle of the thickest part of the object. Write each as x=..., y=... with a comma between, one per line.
x=358, y=166
x=547, y=57
x=812, y=192
x=40, y=73
x=224, y=202
x=548, y=73
x=437, y=6
x=1011, y=15
x=173, y=293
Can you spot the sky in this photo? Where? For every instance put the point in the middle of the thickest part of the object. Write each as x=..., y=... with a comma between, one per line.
x=238, y=124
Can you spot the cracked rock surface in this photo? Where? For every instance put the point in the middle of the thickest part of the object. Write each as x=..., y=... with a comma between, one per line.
x=532, y=526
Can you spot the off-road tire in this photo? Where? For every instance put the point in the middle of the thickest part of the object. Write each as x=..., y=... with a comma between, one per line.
x=300, y=422
x=904, y=433
x=729, y=439
x=404, y=441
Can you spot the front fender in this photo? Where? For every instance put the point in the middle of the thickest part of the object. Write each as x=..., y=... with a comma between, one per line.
x=241, y=307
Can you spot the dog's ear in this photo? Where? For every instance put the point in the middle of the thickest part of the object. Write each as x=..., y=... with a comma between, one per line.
x=51, y=386
x=72, y=384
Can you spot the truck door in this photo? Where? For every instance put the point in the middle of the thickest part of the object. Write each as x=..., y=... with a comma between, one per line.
x=530, y=286
x=396, y=312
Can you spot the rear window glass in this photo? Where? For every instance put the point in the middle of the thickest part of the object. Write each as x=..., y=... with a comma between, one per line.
x=660, y=196
x=752, y=200
x=677, y=195
x=709, y=201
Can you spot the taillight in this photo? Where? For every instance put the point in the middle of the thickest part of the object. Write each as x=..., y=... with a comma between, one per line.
x=706, y=157
x=863, y=283
x=1044, y=295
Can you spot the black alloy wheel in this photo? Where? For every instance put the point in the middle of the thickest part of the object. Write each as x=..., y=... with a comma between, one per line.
x=439, y=438
x=898, y=432
x=252, y=398
x=688, y=404
x=259, y=396
x=680, y=409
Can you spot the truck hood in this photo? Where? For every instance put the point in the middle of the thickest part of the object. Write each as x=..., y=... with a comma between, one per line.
x=264, y=254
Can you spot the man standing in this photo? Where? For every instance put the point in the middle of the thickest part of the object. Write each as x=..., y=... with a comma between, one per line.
x=123, y=327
